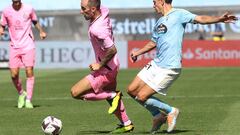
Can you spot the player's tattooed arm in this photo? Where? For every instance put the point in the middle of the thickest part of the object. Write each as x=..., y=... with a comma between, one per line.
x=104, y=61
x=109, y=55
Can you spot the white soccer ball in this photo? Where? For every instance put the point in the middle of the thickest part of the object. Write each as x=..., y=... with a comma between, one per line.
x=51, y=125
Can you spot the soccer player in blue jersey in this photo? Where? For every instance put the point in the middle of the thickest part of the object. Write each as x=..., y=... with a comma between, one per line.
x=165, y=68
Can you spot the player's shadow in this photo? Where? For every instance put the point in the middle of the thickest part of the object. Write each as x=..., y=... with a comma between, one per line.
x=134, y=132
x=164, y=132
x=92, y=132
x=34, y=106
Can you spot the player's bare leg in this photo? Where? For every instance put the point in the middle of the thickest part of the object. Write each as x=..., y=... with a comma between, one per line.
x=135, y=86
x=16, y=80
x=18, y=85
x=81, y=88
x=143, y=95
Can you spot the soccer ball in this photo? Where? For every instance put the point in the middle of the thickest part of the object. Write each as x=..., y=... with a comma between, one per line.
x=51, y=125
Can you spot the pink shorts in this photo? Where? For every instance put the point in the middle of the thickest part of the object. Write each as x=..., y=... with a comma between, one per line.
x=103, y=81
x=20, y=59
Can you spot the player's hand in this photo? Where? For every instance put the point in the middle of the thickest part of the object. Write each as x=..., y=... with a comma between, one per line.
x=95, y=66
x=133, y=57
x=1, y=31
x=43, y=35
x=228, y=18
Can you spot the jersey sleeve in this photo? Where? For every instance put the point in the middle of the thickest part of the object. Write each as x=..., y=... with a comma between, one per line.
x=105, y=35
x=3, y=20
x=154, y=38
x=33, y=15
x=187, y=17
x=154, y=35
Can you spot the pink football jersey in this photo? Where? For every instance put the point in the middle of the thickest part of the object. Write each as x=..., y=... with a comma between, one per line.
x=101, y=37
x=20, y=26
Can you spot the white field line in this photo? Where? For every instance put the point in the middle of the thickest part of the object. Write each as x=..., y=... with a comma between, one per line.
x=126, y=97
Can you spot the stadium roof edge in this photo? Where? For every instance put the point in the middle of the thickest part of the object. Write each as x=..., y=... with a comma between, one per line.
x=147, y=10
x=43, y=5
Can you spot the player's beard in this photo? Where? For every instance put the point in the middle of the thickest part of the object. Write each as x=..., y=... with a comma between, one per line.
x=87, y=17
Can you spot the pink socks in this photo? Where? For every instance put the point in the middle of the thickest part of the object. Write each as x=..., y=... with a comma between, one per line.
x=99, y=96
x=30, y=86
x=121, y=114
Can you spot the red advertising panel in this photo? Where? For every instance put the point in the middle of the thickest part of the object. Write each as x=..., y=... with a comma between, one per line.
x=211, y=54
x=143, y=59
x=197, y=54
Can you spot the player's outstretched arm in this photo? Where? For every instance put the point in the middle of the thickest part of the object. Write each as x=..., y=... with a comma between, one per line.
x=148, y=47
x=225, y=18
x=42, y=33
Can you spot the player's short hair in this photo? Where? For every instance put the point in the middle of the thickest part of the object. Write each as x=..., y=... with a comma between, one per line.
x=168, y=1
x=94, y=3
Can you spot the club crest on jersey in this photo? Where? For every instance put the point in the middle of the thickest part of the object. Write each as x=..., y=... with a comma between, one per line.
x=161, y=28
x=25, y=16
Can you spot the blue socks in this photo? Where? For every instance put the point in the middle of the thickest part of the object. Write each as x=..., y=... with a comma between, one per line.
x=155, y=106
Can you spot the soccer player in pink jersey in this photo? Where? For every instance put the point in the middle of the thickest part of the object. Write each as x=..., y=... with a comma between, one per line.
x=101, y=83
x=19, y=18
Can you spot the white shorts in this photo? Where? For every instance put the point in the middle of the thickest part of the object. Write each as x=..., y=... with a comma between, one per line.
x=159, y=79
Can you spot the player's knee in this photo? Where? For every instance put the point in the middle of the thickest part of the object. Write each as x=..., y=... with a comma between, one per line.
x=131, y=91
x=74, y=93
x=30, y=74
x=14, y=76
x=29, y=71
x=141, y=98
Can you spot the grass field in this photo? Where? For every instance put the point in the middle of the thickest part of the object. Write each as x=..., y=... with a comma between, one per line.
x=209, y=100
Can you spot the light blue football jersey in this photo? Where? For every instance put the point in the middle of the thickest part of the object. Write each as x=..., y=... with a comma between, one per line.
x=168, y=35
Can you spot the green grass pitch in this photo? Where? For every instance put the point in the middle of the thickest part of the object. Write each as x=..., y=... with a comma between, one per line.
x=208, y=98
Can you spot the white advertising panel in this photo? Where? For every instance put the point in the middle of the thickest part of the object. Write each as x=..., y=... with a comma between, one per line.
x=66, y=54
